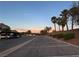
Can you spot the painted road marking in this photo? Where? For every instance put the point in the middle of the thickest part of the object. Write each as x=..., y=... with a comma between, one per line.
x=67, y=56
x=48, y=46
x=8, y=51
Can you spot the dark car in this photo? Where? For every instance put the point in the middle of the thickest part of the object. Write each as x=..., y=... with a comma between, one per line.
x=15, y=35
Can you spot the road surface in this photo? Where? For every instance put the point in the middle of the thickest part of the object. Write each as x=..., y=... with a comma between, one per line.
x=41, y=46
x=8, y=43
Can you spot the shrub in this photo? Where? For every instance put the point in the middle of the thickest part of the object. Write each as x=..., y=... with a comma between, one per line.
x=68, y=35
x=54, y=35
x=65, y=35
x=58, y=35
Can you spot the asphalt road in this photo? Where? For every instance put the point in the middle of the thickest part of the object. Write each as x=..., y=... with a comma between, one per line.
x=8, y=43
x=41, y=46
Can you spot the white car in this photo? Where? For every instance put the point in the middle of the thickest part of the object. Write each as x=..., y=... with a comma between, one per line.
x=4, y=37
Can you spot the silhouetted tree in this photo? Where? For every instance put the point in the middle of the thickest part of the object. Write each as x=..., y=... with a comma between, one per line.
x=63, y=23
x=73, y=12
x=65, y=16
x=53, y=20
x=29, y=32
x=43, y=32
x=47, y=29
x=59, y=22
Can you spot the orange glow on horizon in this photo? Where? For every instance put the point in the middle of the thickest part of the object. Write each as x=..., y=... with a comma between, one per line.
x=33, y=30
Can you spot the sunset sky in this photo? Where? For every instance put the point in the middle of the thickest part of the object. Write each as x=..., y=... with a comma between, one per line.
x=31, y=15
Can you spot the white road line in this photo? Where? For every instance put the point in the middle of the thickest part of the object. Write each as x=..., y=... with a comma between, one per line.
x=54, y=46
x=49, y=46
x=64, y=42
x=68, y=56
x=58, y=46
x=72, y=55
x=8, y=51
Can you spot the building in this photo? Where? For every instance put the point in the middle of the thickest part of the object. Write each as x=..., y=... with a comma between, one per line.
x=4, y=28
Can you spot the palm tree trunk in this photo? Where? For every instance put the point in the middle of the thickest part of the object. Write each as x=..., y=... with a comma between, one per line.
x=59, y=27
x=72, y=22
x=67, y=27
x=55, y=26
x=62, y=28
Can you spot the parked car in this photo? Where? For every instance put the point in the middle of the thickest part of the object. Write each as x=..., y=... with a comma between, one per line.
x=11, y=35
x=4, y=37
x=14, y=35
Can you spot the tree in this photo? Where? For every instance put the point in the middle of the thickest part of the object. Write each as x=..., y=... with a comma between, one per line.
x=28, y=32
x=65, y=15
x=59, y=22
x=43, y=32
x=74, y=11
x=47, y=29
x=63, y=23
x=53, y=20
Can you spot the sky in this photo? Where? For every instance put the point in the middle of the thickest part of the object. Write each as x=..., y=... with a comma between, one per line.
x=31, y=14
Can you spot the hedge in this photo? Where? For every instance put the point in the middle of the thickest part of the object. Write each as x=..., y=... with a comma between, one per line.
x=65, y=35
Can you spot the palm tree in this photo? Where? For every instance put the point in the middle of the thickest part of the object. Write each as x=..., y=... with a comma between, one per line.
x=59, y=22
x=73, y=12
x=63, y=23
x=47, y=29
x=53, y=20
x=65, y=15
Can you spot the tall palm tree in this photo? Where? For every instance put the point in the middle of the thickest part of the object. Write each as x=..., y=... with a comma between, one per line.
x=65, y=15
x=73, y=12
x=63, y=23
x=59, y=22
x=53, y=20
